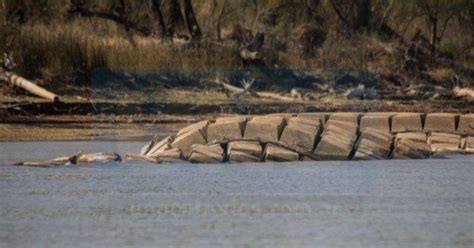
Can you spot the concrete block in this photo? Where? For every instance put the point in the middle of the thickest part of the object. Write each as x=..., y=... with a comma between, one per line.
x=164, y=144
x=373, y=144
x=300, y=134
x=407, y=122
x=436, y=138
x=207, y=154
x=341, y=127
x=280, y=154
x=243, y=151
x=265, y=128
x=186, y=140
x=322, y=117
x=383, y=139
x=444, y=142
x=173, y=155
x=364, y=153
x=440, y=122
x=196, y=126
x=230, y=129
x=332, y=148
x=469, y=144
x=378, y=122
x=409, y=149
x=232, y=119
x=414, y=136
x=305, y=121
x=346, y=117
x=466, y=124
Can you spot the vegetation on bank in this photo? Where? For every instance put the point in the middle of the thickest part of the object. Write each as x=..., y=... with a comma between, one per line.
x=72, y=45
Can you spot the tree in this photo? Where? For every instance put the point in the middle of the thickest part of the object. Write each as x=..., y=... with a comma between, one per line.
x=3, y=13
x=354, y=14
x=173, y=17
x=117, y=13
x=438, y=14
x=191, y=20
x=177, y=24
x=158, y=16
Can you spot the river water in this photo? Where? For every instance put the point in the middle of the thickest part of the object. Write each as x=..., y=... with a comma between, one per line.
x=427, y=203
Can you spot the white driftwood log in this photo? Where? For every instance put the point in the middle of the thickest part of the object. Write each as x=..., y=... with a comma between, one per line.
x=29, y=86
x=464, y=92
x=235, y=92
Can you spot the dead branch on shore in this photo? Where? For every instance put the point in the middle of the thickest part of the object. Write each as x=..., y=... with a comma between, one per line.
x=32, y=88
x=236, y=92
x=6, y=67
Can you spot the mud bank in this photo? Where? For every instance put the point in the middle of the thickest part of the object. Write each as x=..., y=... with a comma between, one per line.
x=175, y=108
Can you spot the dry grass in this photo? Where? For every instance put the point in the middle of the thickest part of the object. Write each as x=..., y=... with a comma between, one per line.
x=42, y=50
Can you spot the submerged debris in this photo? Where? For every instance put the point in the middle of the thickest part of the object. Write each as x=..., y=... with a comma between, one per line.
x=80, y=159
x=61, y=161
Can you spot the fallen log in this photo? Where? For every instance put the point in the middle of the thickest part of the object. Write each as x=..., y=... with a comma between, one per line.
x=274, y=96
x=79, y=159
x=130, y=157
x=62, y=161
x=23, y=83
x=235, y=92
x=464, y=93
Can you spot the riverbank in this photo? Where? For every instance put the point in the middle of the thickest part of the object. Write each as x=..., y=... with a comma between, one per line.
x=18, y=109
x=135, y=118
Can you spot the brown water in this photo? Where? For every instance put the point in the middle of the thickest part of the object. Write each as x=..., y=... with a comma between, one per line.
x=427, y=203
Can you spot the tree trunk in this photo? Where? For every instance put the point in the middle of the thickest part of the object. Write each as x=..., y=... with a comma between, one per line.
x=191, y=20
x=3, y=13
x=173, y=17
x=364, y=14
x=434, y=34
x=31, y=87
x=158, y=15
x=219, y=31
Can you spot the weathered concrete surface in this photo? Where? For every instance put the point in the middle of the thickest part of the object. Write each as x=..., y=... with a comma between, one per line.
x=373, y=144
x=301, y=132
x=163, y=145
x=469, y=144
x=466, y=124
x=324, y=136
x=379, y=122
x=207, y=154
x=444, y=142
x=202, y=125
x=172, y=155
x=407, y=122
x=440, y=122
x=337, y=141
x=411, y=146
x=189, y=138
x=243, y=151
x=130, y=157
x=280, y=154
x=346, y=117
x=322, y=117
x=265, y=128
x=415, y=136
x=226, y=129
